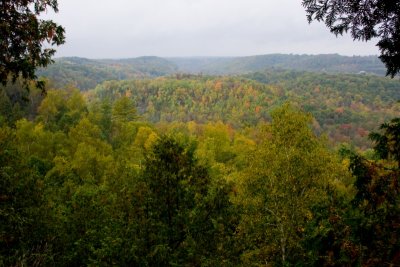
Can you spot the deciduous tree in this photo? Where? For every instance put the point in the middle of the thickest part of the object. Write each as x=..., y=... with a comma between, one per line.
x=287, y=176
x=23, y=35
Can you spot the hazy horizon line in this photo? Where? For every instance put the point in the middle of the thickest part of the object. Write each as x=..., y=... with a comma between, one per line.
x=226, y=57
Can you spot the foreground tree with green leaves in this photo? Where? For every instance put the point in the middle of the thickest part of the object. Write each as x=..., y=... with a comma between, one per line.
x=22, y=38
x=189, y=215
x=287, y=177
x=378, y=198
x=365, y=20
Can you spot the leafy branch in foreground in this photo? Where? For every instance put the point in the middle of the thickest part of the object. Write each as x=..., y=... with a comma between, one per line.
x=22, y=38
x=365, y=19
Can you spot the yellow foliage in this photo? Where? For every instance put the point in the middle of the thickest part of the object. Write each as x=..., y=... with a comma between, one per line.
x=151, y=140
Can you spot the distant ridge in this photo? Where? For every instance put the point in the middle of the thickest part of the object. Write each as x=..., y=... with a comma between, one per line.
x=87, y=73
x=331, y=63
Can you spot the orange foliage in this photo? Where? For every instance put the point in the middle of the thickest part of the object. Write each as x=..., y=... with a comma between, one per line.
x=362, y=132
x=218, y=86
x=340, y=110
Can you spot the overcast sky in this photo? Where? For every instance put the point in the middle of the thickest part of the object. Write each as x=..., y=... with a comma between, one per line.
x=132, y=28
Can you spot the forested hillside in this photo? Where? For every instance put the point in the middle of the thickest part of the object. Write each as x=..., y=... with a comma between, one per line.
x=90, y=181
x=330, y=63
x=87, y=73
x=271, y=160
x=345, y=107
x=146, y=166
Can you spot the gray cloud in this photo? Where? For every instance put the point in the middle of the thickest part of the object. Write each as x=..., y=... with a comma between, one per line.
x=130, y=28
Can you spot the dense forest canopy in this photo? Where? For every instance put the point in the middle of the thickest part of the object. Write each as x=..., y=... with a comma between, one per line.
x=89, y=180
x=346, y=107
x=133, y=163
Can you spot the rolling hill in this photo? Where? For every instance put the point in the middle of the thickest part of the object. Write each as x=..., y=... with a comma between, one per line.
x=87, y=73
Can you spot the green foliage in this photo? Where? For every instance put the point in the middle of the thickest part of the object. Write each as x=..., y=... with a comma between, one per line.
x=22, y=37
x=16, y=102
x=187, y=209
x=23, y=211
x=124, y=110
x=86, y=74
x=287, y=176
x=377, y=200
x=62, y=109
x=228, y=175
x=92, y=185
x=346, y=107
x=387, y=145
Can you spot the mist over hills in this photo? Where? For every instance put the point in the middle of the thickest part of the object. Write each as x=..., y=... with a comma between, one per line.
x=330, y=63
x=87, y=73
